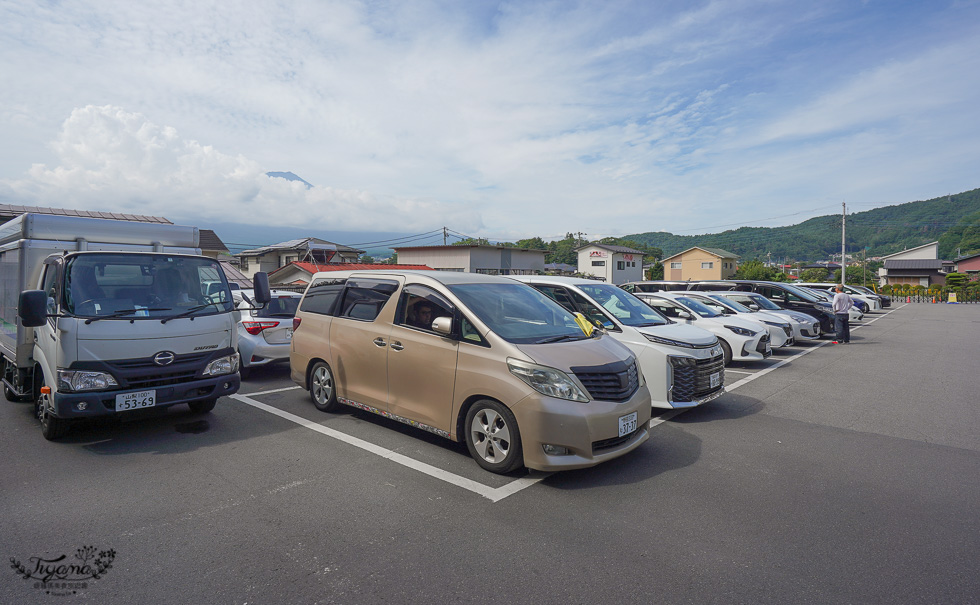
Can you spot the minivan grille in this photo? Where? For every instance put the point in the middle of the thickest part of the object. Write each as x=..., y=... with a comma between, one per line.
x=611, y=382
x=605, y=444
x=692, y=378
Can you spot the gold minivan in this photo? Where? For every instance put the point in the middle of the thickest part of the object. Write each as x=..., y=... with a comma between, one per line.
x=473, y=358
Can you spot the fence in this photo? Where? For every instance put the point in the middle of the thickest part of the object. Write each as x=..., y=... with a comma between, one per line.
x=942, y=297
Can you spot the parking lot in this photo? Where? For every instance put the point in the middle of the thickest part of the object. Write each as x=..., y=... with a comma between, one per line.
x=827, y=473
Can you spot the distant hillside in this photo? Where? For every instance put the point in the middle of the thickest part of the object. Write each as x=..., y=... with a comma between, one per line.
x=953, y=220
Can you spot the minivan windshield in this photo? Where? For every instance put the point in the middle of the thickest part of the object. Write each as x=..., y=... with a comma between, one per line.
x=518, y=313
x=697, y=307
x=762, y=302
x=731, y=304
x=138, y=286
x=622, y=305
x=801, y=293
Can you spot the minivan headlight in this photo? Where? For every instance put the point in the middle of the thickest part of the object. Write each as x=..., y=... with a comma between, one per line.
x=547, y=381
x=660, y=340
x=84, y=380
x=222, y=365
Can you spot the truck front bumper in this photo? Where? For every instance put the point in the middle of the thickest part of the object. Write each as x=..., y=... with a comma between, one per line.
x=100, y=403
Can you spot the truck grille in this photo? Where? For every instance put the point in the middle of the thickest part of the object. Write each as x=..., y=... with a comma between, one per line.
x=692, y=377
x=615, y=381
x=144, y=374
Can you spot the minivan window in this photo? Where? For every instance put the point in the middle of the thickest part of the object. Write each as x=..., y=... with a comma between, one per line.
x=365, y=299
x=623, y=306
x=420, y=306
x=731, y=303
x=761, y=301
x=518, y=313
x=321, y=296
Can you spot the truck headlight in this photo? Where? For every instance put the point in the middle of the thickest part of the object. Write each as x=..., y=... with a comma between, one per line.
x=222, y=365
x=84, y=380
x=741, y=331
x=547, y=381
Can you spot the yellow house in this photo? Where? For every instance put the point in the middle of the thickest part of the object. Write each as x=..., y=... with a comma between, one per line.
x=700, y=263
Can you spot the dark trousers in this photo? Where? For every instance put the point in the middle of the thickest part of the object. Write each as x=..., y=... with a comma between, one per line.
x=842, y=327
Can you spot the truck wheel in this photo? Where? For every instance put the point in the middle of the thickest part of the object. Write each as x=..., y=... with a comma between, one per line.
x=492, y=437
x=323, y=391
x=243, y=370
x=51, y=427
x=202, y=407
x=14, y=397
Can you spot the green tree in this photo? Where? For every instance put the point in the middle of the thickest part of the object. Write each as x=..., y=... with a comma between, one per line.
x=533, y=243
x=813, y=275
x=367, y=260
x=656, y=271
x=755, y=269
x=956, y=280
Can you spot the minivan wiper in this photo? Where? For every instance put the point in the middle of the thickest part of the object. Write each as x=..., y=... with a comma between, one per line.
x=190, y=311
x=557, y=339
x=122, y=313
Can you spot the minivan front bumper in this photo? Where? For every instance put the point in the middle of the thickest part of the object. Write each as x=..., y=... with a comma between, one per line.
x=589, y=431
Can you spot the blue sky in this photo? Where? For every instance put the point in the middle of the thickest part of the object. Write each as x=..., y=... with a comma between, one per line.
x=502, y=120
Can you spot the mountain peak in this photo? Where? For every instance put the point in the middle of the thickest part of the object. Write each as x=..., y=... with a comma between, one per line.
x=289, y=176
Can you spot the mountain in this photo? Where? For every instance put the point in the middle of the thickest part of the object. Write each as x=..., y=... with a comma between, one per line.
x=289, y=176
x=954, y=220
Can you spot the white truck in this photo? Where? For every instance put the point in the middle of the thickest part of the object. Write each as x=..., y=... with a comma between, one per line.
x=103, y=316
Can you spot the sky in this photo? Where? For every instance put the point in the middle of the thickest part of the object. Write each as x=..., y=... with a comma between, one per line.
x=503, y=120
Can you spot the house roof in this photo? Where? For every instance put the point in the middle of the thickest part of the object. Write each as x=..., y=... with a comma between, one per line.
x=457, y=247
x=715, y=251
x=211, y=241
x=611, y=248
x=312, y=268
x=967, y=257
x=305, y=243
x=232, y=274
x=11, y=211
x=914, y=263
x=910, y=249
x=560, y=267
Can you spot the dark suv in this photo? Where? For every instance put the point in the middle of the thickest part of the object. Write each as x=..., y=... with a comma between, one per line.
x=786, y=296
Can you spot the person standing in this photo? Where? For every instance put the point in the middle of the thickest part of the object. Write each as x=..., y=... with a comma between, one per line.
x=842, y=304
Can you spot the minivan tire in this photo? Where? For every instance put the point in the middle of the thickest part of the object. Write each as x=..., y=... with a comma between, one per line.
x=492, y=437
x=726, y=351
x=323, y=391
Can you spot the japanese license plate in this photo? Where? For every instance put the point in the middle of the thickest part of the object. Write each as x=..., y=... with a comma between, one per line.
x=627, y=424
x=715, y=379
x=135, y=401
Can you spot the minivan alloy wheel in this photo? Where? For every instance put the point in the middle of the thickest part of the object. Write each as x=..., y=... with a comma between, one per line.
x=492, y=437
x=322, y=388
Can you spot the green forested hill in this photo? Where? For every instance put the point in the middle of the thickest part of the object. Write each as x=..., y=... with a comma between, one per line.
x=953, y=220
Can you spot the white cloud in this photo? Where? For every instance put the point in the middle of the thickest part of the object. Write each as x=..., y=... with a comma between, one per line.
x=114, y=160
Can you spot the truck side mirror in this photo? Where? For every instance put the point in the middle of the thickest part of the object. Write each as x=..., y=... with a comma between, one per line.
x=33, y=308
x=260, y=287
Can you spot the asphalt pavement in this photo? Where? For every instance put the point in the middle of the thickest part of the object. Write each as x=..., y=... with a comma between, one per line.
x=828, y=474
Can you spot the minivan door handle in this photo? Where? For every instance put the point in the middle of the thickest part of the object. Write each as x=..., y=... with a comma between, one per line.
x=397, y=346
x=379, y=341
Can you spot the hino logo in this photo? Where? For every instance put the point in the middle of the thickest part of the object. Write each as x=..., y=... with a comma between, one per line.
x=164, y=358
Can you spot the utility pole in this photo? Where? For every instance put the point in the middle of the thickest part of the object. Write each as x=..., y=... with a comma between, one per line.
x=445, y=236
x=843, y=220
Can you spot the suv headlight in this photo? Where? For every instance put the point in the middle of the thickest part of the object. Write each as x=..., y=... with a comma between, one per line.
x=666, y=341
x=222, y=365
x=741, y=331
x=84, y=380
x=547, y=381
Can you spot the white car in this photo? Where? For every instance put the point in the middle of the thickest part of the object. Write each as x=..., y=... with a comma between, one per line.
x=873, y=301
x=265, y=334
x=805, y=327
x=779, y=327
x=683, y=365
x=853, y=314
x=741, y=339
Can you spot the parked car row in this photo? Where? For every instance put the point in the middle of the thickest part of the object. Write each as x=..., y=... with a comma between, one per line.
x=545, y=372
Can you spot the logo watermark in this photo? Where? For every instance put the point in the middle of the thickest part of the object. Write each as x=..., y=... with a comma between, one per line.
x=63, y=575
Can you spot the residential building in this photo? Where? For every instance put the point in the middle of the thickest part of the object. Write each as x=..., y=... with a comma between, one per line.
x=917, y=266
x=968, y=264
x=699, y=263
x=475, y=258
x=300, y=274
x=309, y=249
x=612, y=264
x=212, y=246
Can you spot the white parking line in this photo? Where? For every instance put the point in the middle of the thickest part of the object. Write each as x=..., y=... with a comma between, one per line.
x=494, y=494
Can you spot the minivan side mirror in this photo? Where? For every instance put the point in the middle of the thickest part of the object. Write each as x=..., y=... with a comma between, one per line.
x=33, y=308
x=753, y=306
x=260, y=287
x=443, y=325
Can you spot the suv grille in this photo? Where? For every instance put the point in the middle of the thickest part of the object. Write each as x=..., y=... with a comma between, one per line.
x=692, y=377
x=615, y=381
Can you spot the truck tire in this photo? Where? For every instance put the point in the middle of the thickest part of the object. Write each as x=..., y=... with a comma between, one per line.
x=14, y=397
x=52, y=427
x=202, y=407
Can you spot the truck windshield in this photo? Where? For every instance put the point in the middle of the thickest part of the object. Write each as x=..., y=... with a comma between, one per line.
x=141, y=286
x=519, y=313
